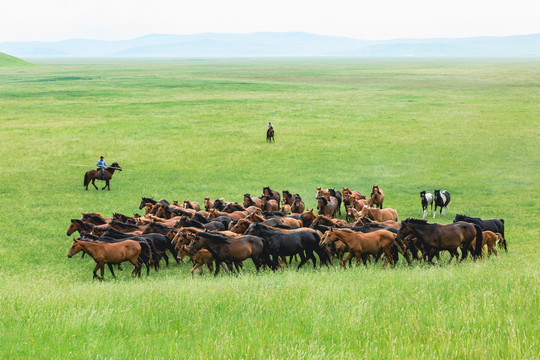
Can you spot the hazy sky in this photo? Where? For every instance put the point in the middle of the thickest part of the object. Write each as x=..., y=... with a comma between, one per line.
x=25, y=20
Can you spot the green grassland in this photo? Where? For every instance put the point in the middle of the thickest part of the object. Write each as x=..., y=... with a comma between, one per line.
x=8, y=60
x=196, y=128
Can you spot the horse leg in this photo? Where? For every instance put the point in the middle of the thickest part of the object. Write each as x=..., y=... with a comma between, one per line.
x=95, y=271
x=111, y=269
x=218, y=265
x=425, y=213
x=303, y=259
x=349, y=256
x=195, y=267
x=435, y=212
x=312, y=257
x=94, y=183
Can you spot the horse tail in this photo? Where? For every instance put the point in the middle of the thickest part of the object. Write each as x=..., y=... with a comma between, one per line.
x=479, y=241
x=500, y=241
x=86, y=178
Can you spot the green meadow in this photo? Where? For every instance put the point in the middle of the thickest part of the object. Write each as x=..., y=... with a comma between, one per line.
x=196, y=128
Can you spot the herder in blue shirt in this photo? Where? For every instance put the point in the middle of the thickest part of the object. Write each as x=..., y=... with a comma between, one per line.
x=101, y=164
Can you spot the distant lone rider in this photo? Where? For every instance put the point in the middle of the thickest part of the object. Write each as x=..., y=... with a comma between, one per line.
x=270, y=126
x=101, y=165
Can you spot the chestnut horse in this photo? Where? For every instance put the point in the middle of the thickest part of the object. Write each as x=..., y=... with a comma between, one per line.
x=113, y=253
x=269, y=204
x=93, y=175
x=379, y=215
x=192, y=205
x=362, y=244
x=377, y=196
x=201, y=258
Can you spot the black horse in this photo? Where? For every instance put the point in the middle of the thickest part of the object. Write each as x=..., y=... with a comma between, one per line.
x=279, y=244
x=495, y=225
x=270, y=135
x=441, y=199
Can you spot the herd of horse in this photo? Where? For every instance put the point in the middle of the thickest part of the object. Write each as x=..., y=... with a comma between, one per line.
x=274, y=229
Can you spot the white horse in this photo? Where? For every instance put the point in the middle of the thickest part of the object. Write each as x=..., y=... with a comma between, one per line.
x=427, y=199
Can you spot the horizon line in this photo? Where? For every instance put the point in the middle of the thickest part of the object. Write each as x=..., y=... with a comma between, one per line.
x=278, y=32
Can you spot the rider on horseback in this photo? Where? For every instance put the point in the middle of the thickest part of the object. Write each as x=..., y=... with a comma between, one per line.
x=101, y=164
x=270, y=126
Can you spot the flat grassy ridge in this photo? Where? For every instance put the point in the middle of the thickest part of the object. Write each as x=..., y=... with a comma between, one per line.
x=197, y=128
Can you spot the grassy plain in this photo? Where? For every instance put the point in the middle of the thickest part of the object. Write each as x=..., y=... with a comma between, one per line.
x=196, y=128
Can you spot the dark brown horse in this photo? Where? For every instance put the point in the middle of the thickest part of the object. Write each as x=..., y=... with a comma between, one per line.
x=270, y=135
x=229, y=250
x=298, y=206
x=93, y=175
x=249, y=201
x=327, y=207
x=436, y=237
x=272, y=193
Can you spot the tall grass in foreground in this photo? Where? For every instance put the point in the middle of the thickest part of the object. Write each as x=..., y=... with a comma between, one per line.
x=196, y=128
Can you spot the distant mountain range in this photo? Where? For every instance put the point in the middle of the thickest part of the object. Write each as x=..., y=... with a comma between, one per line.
x=268, y=44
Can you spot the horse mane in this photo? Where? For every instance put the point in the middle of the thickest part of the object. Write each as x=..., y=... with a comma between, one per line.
x=97, y=217
x=324, y=200
x=165, y=227
x=124, y=225
x=416, y=221
x=149, y=200
x=215, y=238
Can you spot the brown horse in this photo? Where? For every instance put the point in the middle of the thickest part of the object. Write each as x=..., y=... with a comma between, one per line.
x=436, y=237
x=351, y=195
x=232, y=207
x=327, y=207
x=379, y=215
x=377, y=196
x=362, y=203
x=270, y=135
x=249, y=201
x=269, y=204
x=234, y=215
x=362, y=244
x=208, y=203
x=202, y=257
x=288, y=197
x=191, y=205
x=490, y=239
x=113, y=253
x=285, y=208
x=93, y=175
x=272, y=193
x=298, y=206
x=308, y=217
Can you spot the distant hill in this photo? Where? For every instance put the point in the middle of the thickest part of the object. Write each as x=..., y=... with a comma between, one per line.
x=266, y=44
x=8, y=60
